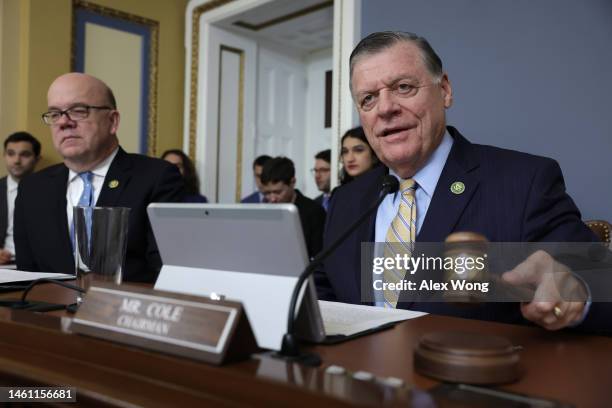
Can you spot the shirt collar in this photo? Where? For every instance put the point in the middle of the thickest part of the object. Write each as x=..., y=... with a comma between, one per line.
x=427, y=177
x=11, y=184
x=100, y=170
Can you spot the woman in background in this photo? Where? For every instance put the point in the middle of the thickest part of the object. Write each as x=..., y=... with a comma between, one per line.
x=190, y=176
x=356, y=155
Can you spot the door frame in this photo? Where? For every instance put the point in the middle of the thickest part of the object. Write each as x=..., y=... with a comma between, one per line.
x=200, y=14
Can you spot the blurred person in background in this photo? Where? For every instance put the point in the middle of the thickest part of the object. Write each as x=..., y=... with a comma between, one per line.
x=189, y=173
x=322, y=173
x=356, y=155
x=278, y=182
x=21, y=154
x=257, y=196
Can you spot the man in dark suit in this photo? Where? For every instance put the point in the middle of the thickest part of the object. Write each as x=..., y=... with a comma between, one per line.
x=278, y=183
x=322, y=173
x=21, y=154
x=83, y=117
x=447, y=185
x=257, y=196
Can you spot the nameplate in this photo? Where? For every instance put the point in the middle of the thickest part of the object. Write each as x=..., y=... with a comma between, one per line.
x=190, y=326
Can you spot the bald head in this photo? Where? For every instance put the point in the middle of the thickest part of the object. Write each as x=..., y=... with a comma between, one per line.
x=87, y=83
x=85, y=132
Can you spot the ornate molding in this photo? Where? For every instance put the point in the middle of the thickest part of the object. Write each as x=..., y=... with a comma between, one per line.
x=284, y=18
x=195, y=61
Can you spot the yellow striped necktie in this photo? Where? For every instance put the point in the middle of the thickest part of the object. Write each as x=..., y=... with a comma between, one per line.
x=400, y=238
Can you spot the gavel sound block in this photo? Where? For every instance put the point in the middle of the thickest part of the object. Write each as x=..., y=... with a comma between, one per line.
x=472, y=358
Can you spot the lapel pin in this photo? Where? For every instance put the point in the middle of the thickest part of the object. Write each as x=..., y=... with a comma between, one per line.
x=113, y=183
x=457, y=187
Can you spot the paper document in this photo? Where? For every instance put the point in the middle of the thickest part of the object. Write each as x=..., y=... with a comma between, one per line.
x=346, y=319
x=12, y=276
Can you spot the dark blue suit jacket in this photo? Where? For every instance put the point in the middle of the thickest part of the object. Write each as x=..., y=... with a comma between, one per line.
x=509, y=197
x=195, y=198
x=251, y=198
x=3, y=210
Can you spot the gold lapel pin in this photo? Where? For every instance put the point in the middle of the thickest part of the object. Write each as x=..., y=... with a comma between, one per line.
x=457, y=187
x=113, y=183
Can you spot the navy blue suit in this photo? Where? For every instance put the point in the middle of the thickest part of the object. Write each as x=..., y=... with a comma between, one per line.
x=195, y=198
x=252, y=198
x=509, y=197
x=3, y=211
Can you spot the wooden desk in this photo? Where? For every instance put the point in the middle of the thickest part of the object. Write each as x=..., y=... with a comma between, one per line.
x=564, y=366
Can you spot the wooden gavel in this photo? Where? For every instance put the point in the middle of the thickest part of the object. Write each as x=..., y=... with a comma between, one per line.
x=468, y=357
x=472, y=248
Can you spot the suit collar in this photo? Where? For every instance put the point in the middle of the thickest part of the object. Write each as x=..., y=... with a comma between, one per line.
x=100, y=170
x=298, y=196
x=372, y=190
x=460, y=170
x=3, y=184
x=59, y=171
x=117, y=179
x=3, y=208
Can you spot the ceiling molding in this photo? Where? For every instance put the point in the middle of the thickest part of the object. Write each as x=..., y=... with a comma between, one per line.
x=286, y=17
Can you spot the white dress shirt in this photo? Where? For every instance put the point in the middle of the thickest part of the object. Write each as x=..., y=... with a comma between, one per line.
x=76, y=185
x=11, y=194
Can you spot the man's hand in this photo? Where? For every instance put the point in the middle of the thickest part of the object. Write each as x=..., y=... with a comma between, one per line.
x=5, y=257
x=559, y=298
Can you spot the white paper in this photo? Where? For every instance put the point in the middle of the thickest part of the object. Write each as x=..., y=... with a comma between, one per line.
x=11, y=276
x=347, y=319
x=265, y=297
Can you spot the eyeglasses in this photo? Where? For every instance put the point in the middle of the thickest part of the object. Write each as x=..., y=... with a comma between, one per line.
x=401, y=88
x=319, y=171
x=75, y=113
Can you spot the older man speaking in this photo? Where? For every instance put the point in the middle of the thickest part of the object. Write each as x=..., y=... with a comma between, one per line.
x=447, y=184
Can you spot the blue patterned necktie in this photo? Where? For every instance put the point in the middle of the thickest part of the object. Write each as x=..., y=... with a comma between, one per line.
x=86, y=200
x=325, y=201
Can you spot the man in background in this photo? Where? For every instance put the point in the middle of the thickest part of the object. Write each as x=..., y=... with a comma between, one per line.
x=257, y=196
x=278, y=182
x=21, y=154
x=322, y=175
x=83, y=117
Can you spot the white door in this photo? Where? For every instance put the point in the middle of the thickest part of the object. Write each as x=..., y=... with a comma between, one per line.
x=276, y=22
x=230, y=116
x=281, y=101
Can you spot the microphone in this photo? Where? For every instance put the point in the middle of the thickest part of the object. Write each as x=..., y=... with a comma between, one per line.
x=290, y=349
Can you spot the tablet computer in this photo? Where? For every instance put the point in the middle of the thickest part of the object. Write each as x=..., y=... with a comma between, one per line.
x=244, y=252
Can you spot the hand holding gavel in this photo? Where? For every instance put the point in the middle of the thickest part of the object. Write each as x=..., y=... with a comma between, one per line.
x=551, y=296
